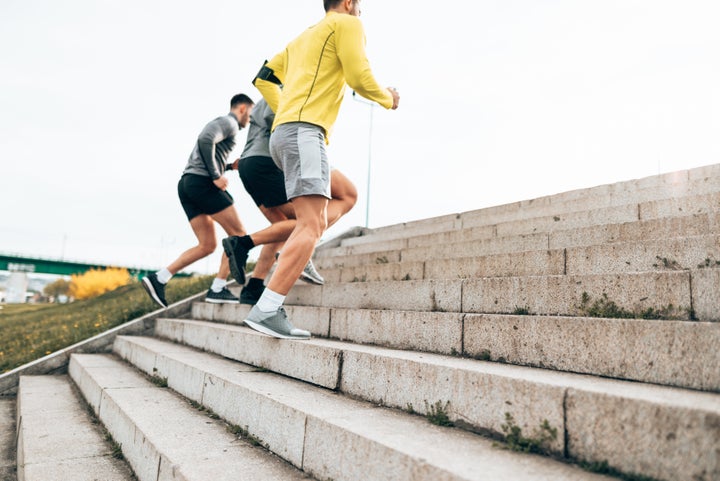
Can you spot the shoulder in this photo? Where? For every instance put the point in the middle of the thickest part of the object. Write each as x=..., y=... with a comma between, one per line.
x=338, y=22
x=229, y=121
x=219, y=121
x=347, y=22
x=225, y=124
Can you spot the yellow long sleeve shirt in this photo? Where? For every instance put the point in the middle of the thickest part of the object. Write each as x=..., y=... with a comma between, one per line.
x=314, y=70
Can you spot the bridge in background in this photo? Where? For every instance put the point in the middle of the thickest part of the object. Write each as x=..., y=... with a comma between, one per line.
x=20, y=266
x=17, y=263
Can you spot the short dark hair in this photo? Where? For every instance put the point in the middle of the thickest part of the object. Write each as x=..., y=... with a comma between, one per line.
x=328, y=4
x=240, y=99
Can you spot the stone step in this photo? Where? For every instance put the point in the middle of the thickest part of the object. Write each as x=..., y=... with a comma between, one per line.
x=551, y=206
x=332, y=436
x=701, y=204
x=518, y=264
x=392, y=271
x=654, y=229
x=672, y=353
x=7, y=439
x=413, y=228
x=698, y=205
x=698, y=191
x=663, y=228
x=665, y=295
x=58, y=439
x=669, y=181
x=162, y=436
x=480, y=247
x=478, y=395
x=688, y=253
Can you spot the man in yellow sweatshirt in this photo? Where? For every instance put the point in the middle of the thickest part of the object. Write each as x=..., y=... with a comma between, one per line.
x=304, y=85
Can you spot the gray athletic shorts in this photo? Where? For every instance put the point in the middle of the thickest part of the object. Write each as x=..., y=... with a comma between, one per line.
x=298, y=149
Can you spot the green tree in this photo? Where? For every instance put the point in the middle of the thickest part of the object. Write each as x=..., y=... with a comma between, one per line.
x=57, y=288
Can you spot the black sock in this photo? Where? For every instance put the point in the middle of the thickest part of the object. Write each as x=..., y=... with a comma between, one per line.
x=255, y=284
x=246, y=242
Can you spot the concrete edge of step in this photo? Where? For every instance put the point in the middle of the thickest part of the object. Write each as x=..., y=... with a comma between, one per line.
x=8, y=438
x=56, y=363
x=128, y=405
x=167, y=363
x=64, y=440
x=691, y=175
x=559, y=397
x=336, y=241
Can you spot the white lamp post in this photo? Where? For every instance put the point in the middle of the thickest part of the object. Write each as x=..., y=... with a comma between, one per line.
x=367, y=195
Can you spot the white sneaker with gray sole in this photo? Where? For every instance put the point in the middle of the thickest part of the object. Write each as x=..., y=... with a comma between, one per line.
x=311, y=275
x=275, y=324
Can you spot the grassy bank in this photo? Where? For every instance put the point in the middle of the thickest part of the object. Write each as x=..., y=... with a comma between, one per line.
x=29, y=332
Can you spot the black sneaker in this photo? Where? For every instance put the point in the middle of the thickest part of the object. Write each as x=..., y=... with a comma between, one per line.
x=238, y=257
x=155, y=288
x=250, y=296
x=222, y=297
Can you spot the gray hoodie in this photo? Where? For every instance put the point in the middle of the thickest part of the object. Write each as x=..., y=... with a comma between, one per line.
x=213, y=147
x=258, y=137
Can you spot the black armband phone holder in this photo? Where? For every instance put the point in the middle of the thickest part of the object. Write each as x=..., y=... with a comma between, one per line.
x=266, y=73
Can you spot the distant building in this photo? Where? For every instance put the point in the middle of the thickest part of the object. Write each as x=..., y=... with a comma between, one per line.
x=16, y=288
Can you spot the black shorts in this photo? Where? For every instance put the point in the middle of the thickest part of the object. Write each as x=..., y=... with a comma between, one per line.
x=263, y=181
x=198, y=195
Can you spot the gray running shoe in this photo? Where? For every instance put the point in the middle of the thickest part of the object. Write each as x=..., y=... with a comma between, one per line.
x=274, y=324
x=155, y=288
x=311, y=275
x=222, y=297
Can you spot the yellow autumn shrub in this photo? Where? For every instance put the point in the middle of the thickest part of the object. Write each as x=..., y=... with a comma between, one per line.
x=98, y=281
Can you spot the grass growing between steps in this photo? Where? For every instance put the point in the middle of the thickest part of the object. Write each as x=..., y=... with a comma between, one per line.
x=607, y=308
x=538, y=443
x=115, y=447
x=603, y=468
x=31, y=332
x=234, y=429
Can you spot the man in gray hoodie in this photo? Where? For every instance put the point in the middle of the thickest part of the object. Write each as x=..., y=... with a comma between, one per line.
x=203, y=194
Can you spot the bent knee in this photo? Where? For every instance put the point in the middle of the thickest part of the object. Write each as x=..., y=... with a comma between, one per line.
x=207, y=248
x=314, y=229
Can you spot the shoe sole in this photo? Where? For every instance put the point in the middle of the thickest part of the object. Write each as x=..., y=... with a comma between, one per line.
x=260, y=328
x=237, y=273
x=151, y=291
x=221, y=301
x=311, y=280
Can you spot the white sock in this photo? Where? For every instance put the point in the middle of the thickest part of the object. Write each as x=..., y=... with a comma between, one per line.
x=270, y=301
x=218, y=284
x=164, y=275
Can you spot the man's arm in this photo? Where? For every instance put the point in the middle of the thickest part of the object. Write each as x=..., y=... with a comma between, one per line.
x=269, y=116
x=214, y=132
x=350, y=45
x=269, y=80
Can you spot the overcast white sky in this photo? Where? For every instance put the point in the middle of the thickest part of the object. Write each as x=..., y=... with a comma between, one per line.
x=101, y=102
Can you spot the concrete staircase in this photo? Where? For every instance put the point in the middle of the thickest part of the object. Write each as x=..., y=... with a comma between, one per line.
x=551, y=339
